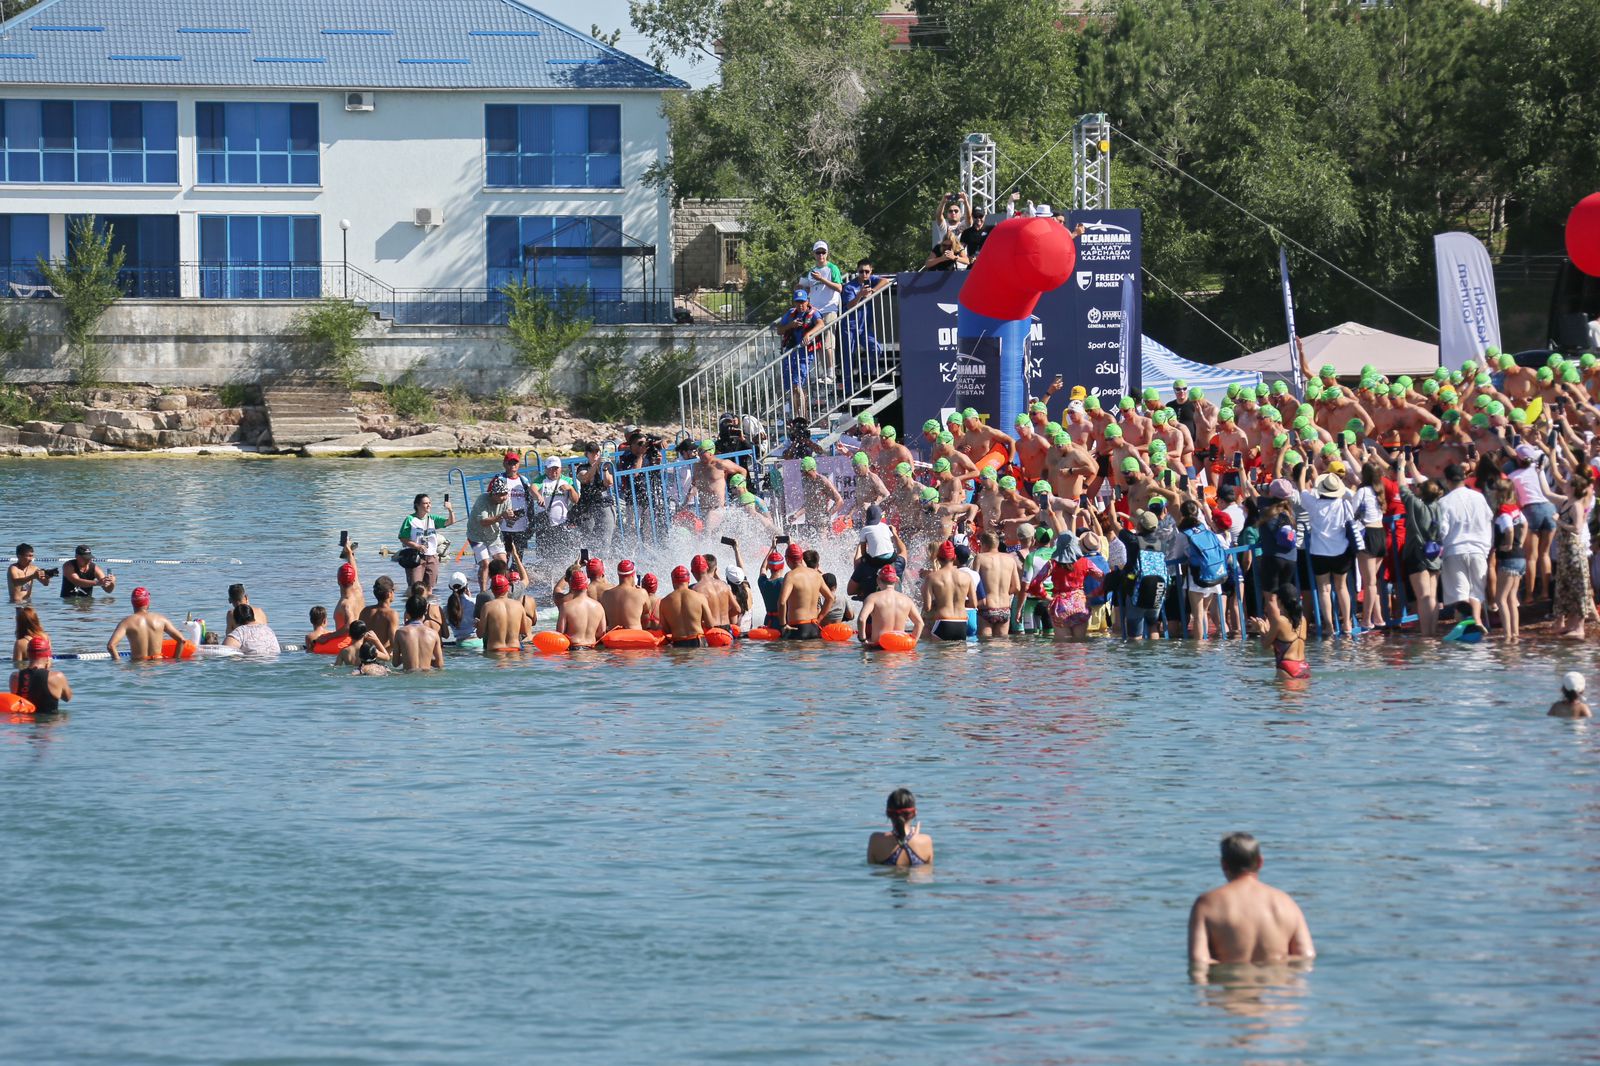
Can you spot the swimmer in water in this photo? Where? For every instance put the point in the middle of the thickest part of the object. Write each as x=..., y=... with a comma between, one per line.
x=652, y=615
x=35, y=682
x=1571, y=704
x=1285, y=635
x=805, y=598
x=357, y=651
x=28, y=627
x=905, y=844
x=371, y=663
x=947, y=597
x=236, y=596
x=22, y=574
x=351, y=603
x=417, y=646
x=502, y=622
x=625, y=603
x=319, y=626
x=579, y=618
x=381, y=617
x=144, y=629
x=1246, y=920
x=685, y=614
x=887, y=611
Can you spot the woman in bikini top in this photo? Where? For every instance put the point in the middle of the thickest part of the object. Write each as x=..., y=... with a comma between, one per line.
x=906, y=844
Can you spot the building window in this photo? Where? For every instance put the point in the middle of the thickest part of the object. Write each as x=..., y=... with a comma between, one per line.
x=24, y=240
x=149, y=246
x=260, y=257
x=539, y=146
x=509, y=237
x=65, y=142
x=257, y=144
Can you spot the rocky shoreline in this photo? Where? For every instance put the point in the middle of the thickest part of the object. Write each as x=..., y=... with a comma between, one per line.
x=126, y=421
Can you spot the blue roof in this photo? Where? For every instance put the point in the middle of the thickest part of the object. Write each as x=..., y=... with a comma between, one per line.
x=323, y=44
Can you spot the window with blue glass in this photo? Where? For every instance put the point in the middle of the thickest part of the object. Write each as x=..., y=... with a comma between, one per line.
x=260, y=257
x=24, y=240
x=535, y=146
x=509, y=259
x=149, y=247
x=121, y=142
x=257, y=144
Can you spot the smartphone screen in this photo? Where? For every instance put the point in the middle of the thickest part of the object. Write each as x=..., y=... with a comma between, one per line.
x=729, y=541
x=583, y=553
x=344, y=538
x=447, y=497
x=783, y=540
x=1183, y=482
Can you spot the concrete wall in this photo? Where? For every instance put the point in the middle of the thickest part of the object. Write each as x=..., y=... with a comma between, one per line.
x=696, y=243
x=414, y=149
x=195, y=343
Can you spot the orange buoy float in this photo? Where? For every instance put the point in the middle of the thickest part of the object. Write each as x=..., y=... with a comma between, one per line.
x=11, y=703
x=331, y=644
x=620, y=639
x=718, y=638
x=170, y=650
x=763, y=633
x=896, y=642
x=838, y=632
x=997, y=457
x=552, y=643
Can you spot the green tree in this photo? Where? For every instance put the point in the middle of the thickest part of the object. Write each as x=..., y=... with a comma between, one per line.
x=542, y=328
x=87, y=286
x=331, y=329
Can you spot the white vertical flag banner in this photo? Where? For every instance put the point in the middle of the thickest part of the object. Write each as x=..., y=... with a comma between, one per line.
x=1469, y=317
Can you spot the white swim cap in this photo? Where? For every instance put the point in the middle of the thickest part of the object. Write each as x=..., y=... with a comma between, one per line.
x=1572, y=682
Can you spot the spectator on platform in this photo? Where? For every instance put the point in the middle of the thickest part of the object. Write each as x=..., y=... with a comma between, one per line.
x=953, y=216
x=825, y=285
x=799, y=327
x=861, y=349
x=951, y=254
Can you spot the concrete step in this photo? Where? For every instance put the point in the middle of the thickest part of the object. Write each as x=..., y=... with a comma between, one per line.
x=298, y=415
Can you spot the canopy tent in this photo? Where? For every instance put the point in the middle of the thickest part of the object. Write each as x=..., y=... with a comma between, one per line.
x=1348, y=346
x=1161, y=366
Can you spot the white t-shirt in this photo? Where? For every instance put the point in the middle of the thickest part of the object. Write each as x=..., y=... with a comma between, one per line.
x=824, y=300
x=558, y=502
x=1525, y=479
x=1328, y=519
x=879, y=541
x=1368, y=507
x=1466, y=525
x=519, y=502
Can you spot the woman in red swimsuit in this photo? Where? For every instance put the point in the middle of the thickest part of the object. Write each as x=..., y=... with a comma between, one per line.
x=1285, y=637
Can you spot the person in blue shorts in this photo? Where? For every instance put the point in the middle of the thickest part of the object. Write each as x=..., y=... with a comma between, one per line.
x=799, y=327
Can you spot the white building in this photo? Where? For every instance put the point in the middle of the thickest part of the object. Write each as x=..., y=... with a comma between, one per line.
x=246, y=149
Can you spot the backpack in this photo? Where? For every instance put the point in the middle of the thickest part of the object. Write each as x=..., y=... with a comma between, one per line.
x=1150, y=579
x=1208, y=561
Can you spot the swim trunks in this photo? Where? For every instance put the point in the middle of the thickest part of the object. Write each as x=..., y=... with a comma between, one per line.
x=692, y=642
x=951, y=629
x=803, y=631
x=994, y=615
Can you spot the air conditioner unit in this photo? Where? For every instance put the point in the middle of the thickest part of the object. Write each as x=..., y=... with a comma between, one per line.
x=427, y=217
x=358, y=101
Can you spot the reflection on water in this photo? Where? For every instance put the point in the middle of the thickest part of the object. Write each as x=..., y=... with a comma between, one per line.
x=1268, y=999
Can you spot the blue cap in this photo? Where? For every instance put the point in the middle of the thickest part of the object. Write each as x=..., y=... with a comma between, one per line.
x=801, y=294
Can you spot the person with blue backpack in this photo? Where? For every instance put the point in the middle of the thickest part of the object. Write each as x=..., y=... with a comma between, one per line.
x=1206, y=559
x=1146, y=590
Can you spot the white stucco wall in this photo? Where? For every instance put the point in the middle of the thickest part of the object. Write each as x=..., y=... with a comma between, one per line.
x=415, y=149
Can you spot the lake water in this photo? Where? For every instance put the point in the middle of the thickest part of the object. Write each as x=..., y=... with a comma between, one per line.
x=659, y=858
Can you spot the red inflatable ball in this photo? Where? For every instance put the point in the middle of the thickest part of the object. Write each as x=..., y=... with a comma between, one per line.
x=896, y=642
x=551, y=642
x=1583, y=235
x=838, y=632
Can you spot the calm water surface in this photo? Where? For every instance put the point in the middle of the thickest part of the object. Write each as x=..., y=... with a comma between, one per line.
x=659, y=858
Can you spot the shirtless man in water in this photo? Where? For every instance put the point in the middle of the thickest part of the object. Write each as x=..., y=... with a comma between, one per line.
x=685, y=615
x=946, y=597
x=416, y=644
x=719, y=597
x=805, y=599
x=580, y=619
x=708, y=482
x=380, y=617
x=21, y=575
x=144, y=629
x=887, y=610
x=1246, y=920
x=501, y=621
x=1002, y=581
x=625, y=603
x=351, y=602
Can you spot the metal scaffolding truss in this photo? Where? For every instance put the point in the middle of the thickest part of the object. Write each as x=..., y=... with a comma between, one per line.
x=1091, y=163
x=977, y=172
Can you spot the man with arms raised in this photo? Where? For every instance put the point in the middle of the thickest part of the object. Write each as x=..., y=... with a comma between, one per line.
x=1246, y=920
x=580, y=618
x=685, y=615
x=417, y=645
x=887, y=610
x=1002, y=581
x=502, y=620
x=144, y=629
x=625, y=603
x=708, y=480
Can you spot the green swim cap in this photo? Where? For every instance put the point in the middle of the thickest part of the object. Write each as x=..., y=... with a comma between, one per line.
x=1368, y=383
x=889, y=432
x=1457, y=377
x=1553, y=360
x=1008, y=482
x=736, y=480
x=1058, y=436
x=1313, y=391
x=953, y=419
x=1305, y=410
x=1482, y=402
x=807, y=464
x=1262, y=392
x=931, y=426
x=1519, y=417
x=1151, y=395
x=1506, y=362
x=1586, y=360
x=929, y=495
x=1271, y=414
x=1129, y=465
x=1571, y=376
x=941, y=465
x=1491, y=351
x=902, y=469
x=1348, y=437
x=1397, y=390
x=1158, y=447
x=946, y=437
x=1368, y=370
x=1158, y=459
x=1480, y=420
x=1404, y=379
x=1279, y=388
x=1091, y=403
x=1301, y=423
x=1430, y=387
x=708, y=445
x=1544, y=373
x=1483, y=381
x=1041, y=488
x=1330, y=450
x=1127, y=403
x=1233, y=391
x=1280, y=439
x=1469, y=367
x=1328, y=371
x=1023, y=420
x=1310, y=436
x=1451, y=416
x=860, y=459
x=1039, y=408
x=1225, y=414
x=1292, y=458
x=969, y=413
x=1442, y=374
x=989, y=474
x=1197, y=393
x=1430, y=433
x=746, y=498
x=1159, y=416
x=866, y=420
x=1178, y=383
x=1113, y=431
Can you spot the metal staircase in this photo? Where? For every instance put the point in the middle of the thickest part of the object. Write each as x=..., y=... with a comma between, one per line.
x=756, y=377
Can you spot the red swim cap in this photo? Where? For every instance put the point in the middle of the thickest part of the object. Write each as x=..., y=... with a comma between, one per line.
x=499, y=583
x=596, y=567
x=141, y=597
x=650, y=582
x=775, y=560
x=697, y=565
x=579, y=582
x=888, y=575
x=680, y=575
x=39, y=648
x=947, y=550
x=347, y=574
x=794, y=553
x=624, y=568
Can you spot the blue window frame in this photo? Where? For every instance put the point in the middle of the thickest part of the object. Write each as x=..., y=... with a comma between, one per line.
x=537, y=146
x=508, y=236
x=260, y=257
x=257, y=144
x=65, y=142
x=24, y=240
x=149, y=246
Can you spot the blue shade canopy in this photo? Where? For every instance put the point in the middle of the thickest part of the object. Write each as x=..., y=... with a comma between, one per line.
x=1162, y=366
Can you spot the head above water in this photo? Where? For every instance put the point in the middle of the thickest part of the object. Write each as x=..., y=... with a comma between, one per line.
x=901, y=807
x=1241, y=854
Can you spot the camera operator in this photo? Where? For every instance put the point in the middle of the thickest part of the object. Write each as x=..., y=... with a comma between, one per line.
x=800, y=445
x=21, y=575
x=596, y=510
x=731, y=436
x=644, y=495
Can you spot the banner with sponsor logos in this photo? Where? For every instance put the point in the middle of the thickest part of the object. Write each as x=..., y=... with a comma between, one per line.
x=1077, y=331
x=1469, y=315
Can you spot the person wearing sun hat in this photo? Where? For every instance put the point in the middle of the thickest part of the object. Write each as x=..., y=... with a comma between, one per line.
x=1331, y=509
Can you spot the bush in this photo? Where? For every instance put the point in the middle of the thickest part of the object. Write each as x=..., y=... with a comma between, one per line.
x=647, y=392
x=541, y=328
x=87, y=284
x=233, y=395
x=330, y=328
x=409, y=399
x=16, y=407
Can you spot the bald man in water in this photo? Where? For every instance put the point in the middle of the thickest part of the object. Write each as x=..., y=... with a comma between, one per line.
x=1246, y=920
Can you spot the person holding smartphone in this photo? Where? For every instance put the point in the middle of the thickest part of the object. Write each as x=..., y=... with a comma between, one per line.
x=22, y=574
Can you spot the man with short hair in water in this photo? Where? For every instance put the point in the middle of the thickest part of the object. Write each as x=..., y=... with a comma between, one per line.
x=1246, y=920
x=1002, y=582
x=708, y=483
x=501, y=621
x=417, y=645
x=947, y=596
x=625, y=603
x=719, y=597
x=236, y=596
x=579, y=618
x=685, y=615
x=144, y=629
x=804, y=600
x=41, y=686
x=887, y=611
x=21, y=575
x=381, y=617
x=81, y=575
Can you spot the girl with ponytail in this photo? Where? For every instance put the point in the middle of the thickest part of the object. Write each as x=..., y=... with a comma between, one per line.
x=905, y=844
